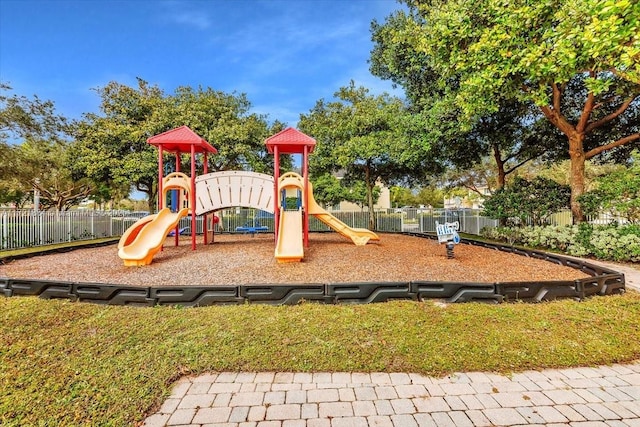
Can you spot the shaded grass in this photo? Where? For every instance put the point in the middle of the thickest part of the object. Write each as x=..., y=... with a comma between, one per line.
x=65, y=363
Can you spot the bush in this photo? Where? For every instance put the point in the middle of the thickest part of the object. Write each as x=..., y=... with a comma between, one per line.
x=618, y=192
x=525, y=201
x=606, y=242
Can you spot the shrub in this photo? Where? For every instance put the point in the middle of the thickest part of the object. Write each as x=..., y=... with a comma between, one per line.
x=618, y=193
x=525, y=201
x=607, y=242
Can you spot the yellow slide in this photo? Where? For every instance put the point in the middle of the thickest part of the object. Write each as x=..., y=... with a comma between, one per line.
x=359, y=236
x=289, y=247
x=132, y=232
x=150, y=233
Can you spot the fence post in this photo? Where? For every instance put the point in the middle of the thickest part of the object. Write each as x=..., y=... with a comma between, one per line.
x=464, y=221
x=5, y=231
x=40, y=218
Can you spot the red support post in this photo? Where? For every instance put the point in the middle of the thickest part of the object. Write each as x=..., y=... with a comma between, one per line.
x=205, y=228
x=305, y=196
x=160, y=176
x=192, y=198
x=276, y=200
x=177, y=229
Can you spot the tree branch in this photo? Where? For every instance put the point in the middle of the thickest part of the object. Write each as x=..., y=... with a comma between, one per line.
x=557, y=120
x=471, y=187
x=586, y=110
x=606, y=119
x=507, y=172
x=618, y=143
x=557, y=96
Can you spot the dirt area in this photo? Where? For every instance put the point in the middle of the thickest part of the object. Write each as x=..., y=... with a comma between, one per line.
x=242, y=259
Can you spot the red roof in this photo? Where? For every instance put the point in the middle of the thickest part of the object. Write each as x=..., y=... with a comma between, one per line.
x=290, y=141
x=180, y=140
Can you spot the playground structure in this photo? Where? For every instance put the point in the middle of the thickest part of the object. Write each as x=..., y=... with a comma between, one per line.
x=145, y=237
x=287, y=250
x=448, y=234
x=211, y=192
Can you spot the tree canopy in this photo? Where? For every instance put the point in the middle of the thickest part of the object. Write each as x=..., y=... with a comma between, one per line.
x=575, y=55
x=369, y=138
x=35, y=146
x=114, y=148
x=528, y=201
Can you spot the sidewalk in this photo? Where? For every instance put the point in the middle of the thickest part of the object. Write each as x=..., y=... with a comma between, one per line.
x=586, y=397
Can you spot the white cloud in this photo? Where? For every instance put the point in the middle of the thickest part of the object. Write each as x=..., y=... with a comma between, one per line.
x=193, y=19
x=183, y=13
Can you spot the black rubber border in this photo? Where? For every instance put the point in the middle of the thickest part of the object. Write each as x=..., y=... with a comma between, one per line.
x=602, y=281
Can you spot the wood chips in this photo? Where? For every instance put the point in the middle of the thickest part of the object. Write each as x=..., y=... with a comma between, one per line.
x=330, y=258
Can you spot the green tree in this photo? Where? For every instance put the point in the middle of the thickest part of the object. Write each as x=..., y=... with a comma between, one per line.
x=533, y=200
x=481, y=53
x=430, y=196
x=327, y=190
x=226, y=122
x=21, y=118
x=617, y=192
x=114, y=146
x=401, y=196
x=504, y=135
x=34, y=153
x=47, y=164
x=356, y=192
x=369, y=138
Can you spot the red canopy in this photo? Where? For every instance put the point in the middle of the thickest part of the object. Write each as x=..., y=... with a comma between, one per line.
x=180, y=140
x=290, y=141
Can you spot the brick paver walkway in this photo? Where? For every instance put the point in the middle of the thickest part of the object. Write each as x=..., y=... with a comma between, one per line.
x=585, y=397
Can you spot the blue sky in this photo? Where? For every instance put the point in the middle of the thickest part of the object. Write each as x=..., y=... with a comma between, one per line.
x=284, y=54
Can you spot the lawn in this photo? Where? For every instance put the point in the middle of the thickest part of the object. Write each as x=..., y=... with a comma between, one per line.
x=65, y=363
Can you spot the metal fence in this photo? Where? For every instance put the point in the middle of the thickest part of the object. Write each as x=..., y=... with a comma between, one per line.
x=26, y=228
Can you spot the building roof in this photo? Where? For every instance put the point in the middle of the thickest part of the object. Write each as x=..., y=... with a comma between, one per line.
x=180, y=140
x=290, y=141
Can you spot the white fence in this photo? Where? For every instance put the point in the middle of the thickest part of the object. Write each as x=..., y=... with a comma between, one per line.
x=26, y=228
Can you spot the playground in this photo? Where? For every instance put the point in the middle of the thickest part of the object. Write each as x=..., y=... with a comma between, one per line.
x=153, y=253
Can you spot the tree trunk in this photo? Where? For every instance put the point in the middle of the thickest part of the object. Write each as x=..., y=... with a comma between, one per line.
x=577, y=156
x=369, y=184
x=151, y=203
x=502, y=175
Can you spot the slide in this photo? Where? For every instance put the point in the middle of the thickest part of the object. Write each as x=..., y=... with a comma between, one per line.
x=359, y=236
x=289, y=247
x=149, y=237
x=132, y=232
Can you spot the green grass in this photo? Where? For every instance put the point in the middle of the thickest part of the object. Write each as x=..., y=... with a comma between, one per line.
x=64, y=363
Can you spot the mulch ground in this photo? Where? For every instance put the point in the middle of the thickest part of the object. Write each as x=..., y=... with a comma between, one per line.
x=241, y=259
